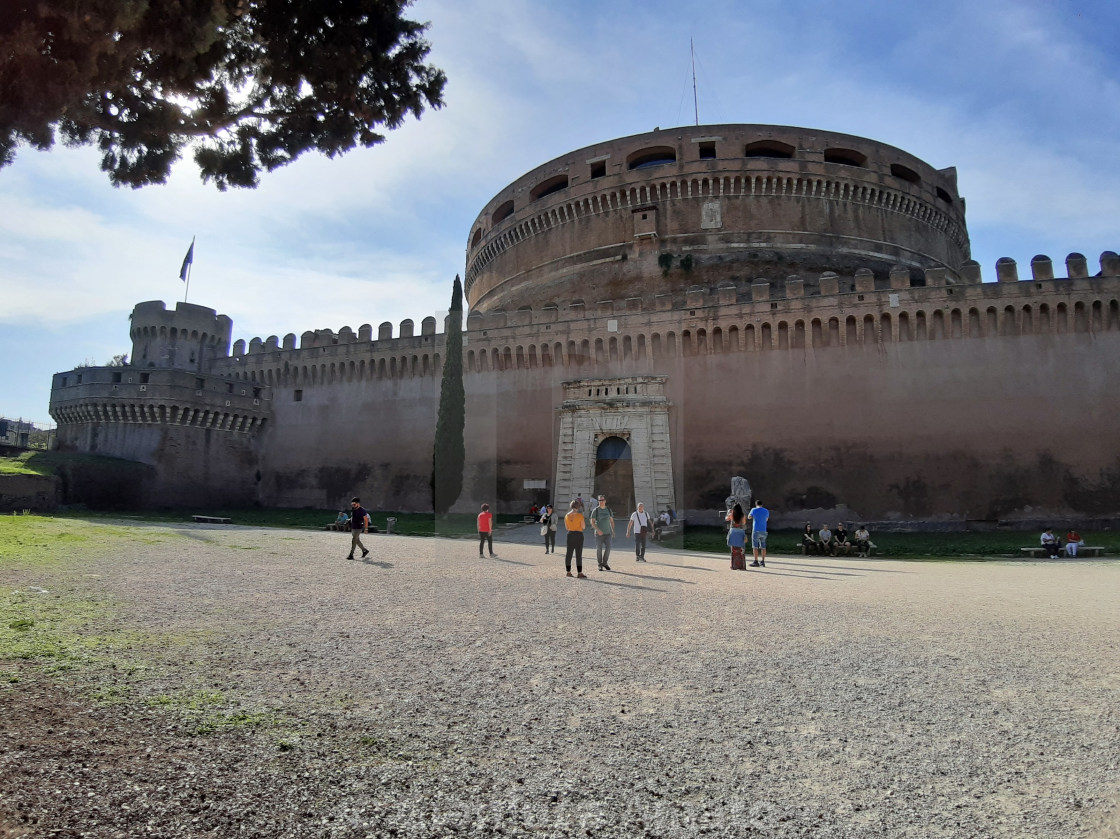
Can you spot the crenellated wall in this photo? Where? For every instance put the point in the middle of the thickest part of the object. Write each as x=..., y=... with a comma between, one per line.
x=918, y=396
x=793, y=314
x=928, y=403
x=189, y=338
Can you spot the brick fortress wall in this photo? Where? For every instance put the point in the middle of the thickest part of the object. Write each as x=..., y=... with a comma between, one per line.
x=808, y=298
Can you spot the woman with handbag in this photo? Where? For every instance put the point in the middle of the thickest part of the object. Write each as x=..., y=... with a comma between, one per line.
x=640, y=526
x=548, y=528
x=736, y=537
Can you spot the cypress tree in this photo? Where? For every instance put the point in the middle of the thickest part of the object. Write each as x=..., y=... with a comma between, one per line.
x=449, y=454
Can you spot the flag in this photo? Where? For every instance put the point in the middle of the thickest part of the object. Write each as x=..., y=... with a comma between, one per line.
x=188, y=260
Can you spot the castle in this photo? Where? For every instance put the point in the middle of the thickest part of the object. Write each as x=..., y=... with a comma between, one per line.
x=647, y=317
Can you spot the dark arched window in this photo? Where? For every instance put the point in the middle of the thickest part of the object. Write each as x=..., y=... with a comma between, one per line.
x=847, y=157
x=548, y=187
x=503, y=212
x=651, y=157
x=769, y=148
x=906, y=174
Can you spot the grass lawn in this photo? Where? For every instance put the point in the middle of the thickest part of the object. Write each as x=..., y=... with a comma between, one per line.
x=41, y=462
x=958, y=545
x=955, y=545
x=952, y=545
x=407, y=524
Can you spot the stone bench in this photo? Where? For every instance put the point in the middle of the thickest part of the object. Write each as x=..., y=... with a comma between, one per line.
x=1084, y=550
x=211, y=519
x=345, y=528
x=668, y=531
x=845, y=551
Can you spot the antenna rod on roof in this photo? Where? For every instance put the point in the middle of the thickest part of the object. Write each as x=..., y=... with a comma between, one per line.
x=695, y=101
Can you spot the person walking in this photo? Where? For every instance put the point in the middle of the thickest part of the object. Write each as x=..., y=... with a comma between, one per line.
x=602, y=521
x=574, y=523
x=548, y=529
x=639, y=525
x=759, y=515
x=359, y=524
x=486, y=530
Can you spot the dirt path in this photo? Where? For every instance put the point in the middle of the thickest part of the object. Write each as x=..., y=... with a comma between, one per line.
x=286, y=692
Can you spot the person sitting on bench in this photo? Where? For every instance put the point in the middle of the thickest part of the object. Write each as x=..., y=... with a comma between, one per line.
x=1050, y=542
x=809, y=544
x=828, y=543
x=863, y=541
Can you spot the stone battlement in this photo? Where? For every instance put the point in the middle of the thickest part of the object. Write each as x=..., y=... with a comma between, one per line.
x=935, y=285
x=825, y=311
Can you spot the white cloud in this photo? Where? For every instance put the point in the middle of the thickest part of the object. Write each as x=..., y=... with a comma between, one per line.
x=1023, y=97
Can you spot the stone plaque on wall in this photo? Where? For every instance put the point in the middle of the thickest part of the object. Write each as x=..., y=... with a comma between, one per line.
x=711, y=216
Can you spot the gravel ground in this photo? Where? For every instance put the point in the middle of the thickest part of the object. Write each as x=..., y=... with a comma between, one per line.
x=429, y=693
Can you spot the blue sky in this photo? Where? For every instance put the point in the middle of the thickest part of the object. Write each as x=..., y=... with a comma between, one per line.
x=1022, y=97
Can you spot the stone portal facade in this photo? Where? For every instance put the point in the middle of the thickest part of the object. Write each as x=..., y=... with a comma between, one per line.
x=632, y=408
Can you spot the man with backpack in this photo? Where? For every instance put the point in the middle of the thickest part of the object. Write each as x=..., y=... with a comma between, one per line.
x=602, y=520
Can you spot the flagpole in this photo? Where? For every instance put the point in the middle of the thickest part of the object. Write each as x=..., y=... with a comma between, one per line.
x=695, y=100
x=185, y=271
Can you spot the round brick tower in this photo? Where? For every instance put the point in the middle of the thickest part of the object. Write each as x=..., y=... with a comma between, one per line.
x=708, y=204
x=188, y=338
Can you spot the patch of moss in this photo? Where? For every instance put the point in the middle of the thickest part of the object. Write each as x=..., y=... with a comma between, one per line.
x=57, y=631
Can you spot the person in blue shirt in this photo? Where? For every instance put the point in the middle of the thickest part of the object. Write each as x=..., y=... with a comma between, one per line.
x=759, y=515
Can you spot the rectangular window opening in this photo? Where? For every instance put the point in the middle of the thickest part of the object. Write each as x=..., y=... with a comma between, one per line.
x=708, y=151
x=599, y=170
x=297, y=396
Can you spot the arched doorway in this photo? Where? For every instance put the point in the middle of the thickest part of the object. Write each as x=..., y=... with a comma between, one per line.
x=614, y=475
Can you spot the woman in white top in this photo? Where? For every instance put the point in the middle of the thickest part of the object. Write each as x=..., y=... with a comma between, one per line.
x=640, y=526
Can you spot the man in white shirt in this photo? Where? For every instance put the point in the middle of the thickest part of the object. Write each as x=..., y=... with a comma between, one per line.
x=827, y=543
x=639, y=526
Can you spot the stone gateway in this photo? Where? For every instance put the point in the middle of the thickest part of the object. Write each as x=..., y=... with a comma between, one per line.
x=648, y=316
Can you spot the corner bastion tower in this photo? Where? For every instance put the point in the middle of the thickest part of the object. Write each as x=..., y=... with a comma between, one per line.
x=650, y=316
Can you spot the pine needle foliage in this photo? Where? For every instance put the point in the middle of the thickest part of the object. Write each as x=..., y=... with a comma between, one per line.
x=250, y=85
